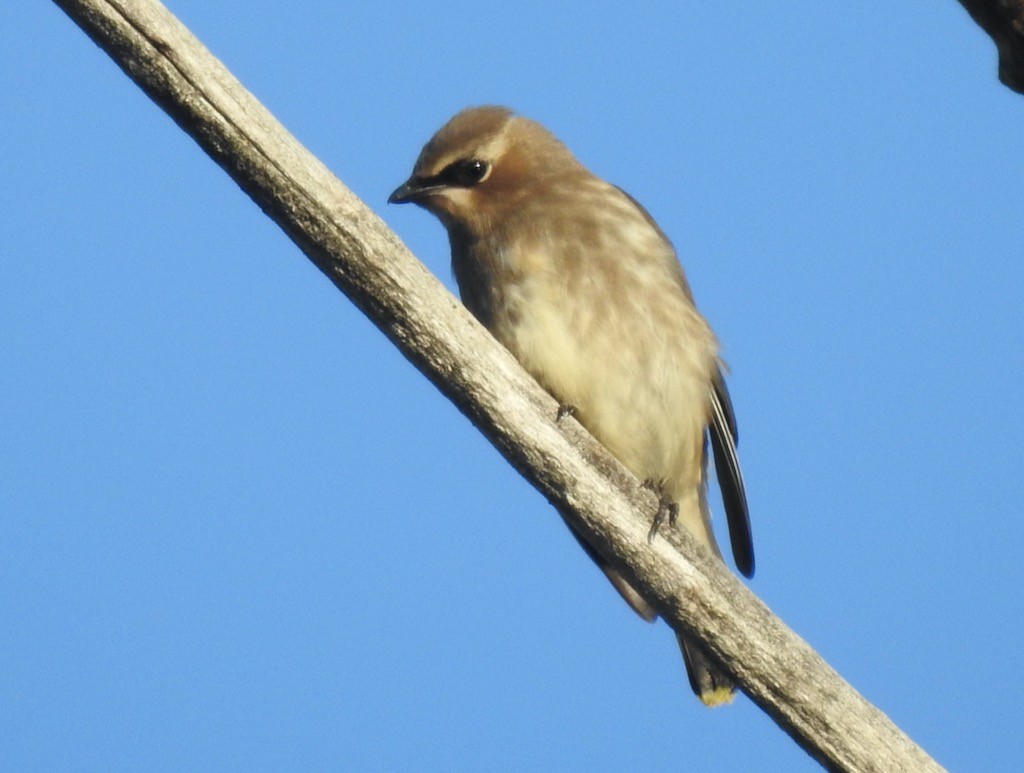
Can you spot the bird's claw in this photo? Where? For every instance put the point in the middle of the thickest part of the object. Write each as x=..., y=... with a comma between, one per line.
x=564, y=409
x=668, y=510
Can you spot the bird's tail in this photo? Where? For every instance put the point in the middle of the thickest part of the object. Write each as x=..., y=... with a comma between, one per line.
x=708, y=681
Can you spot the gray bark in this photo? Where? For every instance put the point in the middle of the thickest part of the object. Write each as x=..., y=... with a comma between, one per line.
x=694, y=592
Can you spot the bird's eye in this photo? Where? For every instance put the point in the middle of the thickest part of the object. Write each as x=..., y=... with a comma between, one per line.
x=466, y=173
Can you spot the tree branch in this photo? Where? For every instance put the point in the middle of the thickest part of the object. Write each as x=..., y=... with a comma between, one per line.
x=1003, y=20
x=694, y=592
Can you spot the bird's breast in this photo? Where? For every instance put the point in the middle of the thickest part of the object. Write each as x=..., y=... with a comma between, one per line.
x=628, y=352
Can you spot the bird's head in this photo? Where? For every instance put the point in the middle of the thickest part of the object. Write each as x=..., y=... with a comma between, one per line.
x=480, y=165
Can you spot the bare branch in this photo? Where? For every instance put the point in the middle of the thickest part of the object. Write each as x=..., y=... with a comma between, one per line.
x=1003, y=20
x=605, y=504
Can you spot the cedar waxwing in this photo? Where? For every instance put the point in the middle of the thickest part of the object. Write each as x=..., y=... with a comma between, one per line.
x=576, y=279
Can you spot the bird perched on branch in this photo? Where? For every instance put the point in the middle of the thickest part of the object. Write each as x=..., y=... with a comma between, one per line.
x=576, y=279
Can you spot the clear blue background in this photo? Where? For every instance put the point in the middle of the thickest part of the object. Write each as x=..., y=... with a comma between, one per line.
x=239, y=531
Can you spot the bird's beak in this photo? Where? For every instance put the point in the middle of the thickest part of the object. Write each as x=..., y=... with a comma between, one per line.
x=403, y=193
x=413, y=190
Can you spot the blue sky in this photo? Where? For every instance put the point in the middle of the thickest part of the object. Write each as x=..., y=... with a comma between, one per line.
x=239, y=531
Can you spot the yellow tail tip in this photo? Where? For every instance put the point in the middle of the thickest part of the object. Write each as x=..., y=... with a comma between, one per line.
x=720, y=696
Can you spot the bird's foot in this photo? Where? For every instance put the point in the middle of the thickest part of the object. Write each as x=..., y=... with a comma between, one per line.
x=564, y=409
x=668, y=510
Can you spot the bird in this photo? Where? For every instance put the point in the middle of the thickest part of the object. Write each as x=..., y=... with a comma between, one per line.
x=575, y=278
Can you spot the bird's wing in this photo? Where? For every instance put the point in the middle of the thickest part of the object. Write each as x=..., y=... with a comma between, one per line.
x=730, y=480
